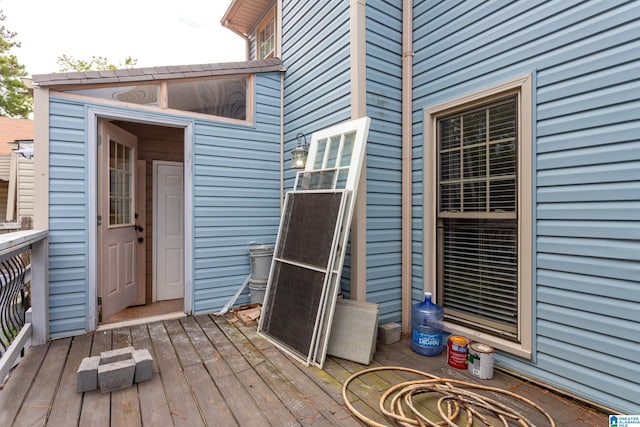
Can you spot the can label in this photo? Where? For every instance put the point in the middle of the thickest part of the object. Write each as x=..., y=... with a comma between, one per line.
x=457, y=352
x=481, y=361
x=426, y=340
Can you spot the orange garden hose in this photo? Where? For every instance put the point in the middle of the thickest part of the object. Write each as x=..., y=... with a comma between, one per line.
x=456, y=398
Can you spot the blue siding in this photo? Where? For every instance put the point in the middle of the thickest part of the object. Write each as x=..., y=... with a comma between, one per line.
x=384, y=157
x=318, y=94
x=236, y=201
x=315, y=53
x=236, y=196
x=587, y=196
x=68, y=192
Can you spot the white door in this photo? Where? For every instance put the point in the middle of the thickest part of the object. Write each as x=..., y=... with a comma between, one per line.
x=117, y=160
x=168, y=235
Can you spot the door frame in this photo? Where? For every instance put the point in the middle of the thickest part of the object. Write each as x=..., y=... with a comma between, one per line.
x=94, y=114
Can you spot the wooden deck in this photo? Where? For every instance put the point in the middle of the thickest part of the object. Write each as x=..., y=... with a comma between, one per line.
x=208, y=371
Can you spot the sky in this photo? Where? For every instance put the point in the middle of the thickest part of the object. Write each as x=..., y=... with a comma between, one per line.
x=155, y=32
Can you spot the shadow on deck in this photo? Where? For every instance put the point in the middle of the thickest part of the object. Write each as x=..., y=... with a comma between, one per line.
x=208, y=371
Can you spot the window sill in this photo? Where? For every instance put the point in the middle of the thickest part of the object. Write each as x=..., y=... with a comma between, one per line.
x=518, y=349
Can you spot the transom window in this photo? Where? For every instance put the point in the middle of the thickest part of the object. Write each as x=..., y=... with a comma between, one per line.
x=226, y=97
x=478, y=238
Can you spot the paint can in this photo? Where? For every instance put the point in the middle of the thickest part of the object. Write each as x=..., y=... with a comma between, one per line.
x=457, y=348
x=481, y=361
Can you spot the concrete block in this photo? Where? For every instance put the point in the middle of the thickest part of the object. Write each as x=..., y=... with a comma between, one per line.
x=144, y=365
x=389, y=333
x=116, y=375
x=116, y=355
x=87, y=378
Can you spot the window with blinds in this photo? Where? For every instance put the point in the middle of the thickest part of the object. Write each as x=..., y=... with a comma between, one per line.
x=477, y=223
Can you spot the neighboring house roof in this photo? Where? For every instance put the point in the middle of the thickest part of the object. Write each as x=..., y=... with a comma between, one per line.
x=12, y=130
x=242, y=15
x=129, y=75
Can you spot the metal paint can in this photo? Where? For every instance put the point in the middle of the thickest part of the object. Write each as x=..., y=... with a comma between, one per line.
x=457, y=347
x=481, y=361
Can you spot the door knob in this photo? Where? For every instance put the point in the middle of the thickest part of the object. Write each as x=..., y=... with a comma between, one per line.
x=140, y=239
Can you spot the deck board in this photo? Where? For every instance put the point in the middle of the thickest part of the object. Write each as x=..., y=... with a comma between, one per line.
x=210, y=372
x=15, y=391
x=67, y=403
x=39, y=399
x=183, y=407
x=96, y=406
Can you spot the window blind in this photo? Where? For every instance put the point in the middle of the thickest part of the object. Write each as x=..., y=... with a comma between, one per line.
x=477, y=216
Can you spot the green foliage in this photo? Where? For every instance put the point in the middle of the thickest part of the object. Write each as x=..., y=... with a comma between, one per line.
x=15, y=100
x=96, y=63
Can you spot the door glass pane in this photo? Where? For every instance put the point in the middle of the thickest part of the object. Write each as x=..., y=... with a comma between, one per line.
x=120, y=191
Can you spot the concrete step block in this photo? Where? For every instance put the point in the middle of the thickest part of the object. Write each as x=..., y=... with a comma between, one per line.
x=116, y=375
x=116, y=355
x=389, y=333
x=87, y=375
x=144, y=365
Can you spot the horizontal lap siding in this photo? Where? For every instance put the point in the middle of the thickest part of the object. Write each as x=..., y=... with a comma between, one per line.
x=236, y=196
x=587, y=176
x=236, y=201
x=315, y=53
x=68, y=236
x=384, y=157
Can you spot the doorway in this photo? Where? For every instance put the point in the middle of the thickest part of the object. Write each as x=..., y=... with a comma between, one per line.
x=126, y=176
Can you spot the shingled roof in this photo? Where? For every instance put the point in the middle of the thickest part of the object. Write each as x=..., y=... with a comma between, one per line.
x=129, y=75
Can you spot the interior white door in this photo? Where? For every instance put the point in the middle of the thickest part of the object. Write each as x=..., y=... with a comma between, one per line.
x=117, y=160
x=168, y=230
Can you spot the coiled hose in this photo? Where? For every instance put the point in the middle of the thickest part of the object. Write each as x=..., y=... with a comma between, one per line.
x=455, y=395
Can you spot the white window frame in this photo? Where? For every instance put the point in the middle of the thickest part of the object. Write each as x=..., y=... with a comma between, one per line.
x=523, y=87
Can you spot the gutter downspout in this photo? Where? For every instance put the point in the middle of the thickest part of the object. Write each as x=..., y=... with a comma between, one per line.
x=407, y=157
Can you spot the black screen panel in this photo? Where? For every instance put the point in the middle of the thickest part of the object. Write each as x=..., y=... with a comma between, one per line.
x=308, y=227
x=292, y=305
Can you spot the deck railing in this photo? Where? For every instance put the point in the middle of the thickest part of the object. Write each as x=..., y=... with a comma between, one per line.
x=23, y=294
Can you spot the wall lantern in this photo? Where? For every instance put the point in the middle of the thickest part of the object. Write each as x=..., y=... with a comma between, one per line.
x=299, y=154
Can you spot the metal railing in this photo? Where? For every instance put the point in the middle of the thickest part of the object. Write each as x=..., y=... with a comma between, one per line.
x=23, y=294
x=14, y=298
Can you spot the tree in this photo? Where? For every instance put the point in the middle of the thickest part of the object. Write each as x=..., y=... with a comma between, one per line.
x=15, y=100
x=97, y=63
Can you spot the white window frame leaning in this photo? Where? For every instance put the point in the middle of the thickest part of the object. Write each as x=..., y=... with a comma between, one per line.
x=523, y=87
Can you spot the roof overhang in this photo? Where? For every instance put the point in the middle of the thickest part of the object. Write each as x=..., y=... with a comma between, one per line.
x=155, y=74
x=243, y=15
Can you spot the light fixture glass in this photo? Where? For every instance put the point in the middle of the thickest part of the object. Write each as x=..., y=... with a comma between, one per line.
x=299, y=154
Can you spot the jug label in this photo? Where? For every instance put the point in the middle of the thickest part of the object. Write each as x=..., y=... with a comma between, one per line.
x=426, y=340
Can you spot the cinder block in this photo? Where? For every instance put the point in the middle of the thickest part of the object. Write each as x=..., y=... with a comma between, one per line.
x=116, y=375
x=144, y=365
x=389, y=333
x=116, y=355
x=87, y=378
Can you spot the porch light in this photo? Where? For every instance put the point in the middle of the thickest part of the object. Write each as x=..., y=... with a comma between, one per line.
x=299, y=154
